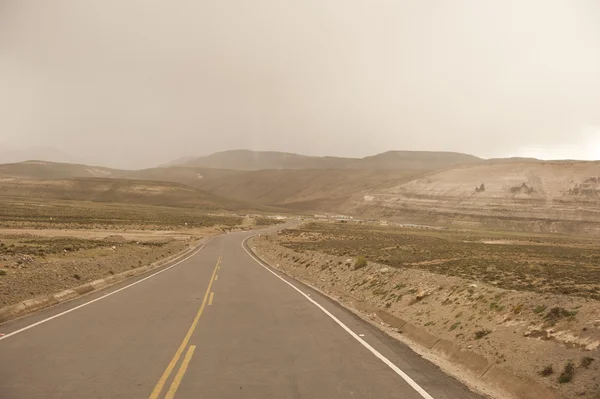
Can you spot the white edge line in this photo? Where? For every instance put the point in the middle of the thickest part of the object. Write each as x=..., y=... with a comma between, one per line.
x=97, y=299
x=374, y=351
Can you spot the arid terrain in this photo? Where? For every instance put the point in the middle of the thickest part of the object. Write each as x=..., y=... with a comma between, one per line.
x=551, y=264
x=554, y=196
x=113, y=190
x=527, y=301
x=449, y=189
x=32, y=265
x=42, y=214
x=305, y=199
x=47, y=246
x=498, y=256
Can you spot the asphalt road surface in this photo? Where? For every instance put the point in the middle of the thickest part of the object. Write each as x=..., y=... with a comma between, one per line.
x=217, y=325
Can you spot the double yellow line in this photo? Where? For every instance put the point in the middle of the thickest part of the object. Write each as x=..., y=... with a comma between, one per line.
x=188, y=356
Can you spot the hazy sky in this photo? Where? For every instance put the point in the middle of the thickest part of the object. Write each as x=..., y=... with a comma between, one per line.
x=133, y=83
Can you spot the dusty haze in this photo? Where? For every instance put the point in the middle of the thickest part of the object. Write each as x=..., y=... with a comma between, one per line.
x=136, y=83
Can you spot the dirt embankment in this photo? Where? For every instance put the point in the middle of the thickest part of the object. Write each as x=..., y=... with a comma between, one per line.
x=536, y=335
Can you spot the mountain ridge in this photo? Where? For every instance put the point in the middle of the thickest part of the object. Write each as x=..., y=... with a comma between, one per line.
x=558, y=196
x=262, y=160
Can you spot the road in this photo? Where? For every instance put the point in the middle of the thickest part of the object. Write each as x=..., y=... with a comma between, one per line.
x=217, y=325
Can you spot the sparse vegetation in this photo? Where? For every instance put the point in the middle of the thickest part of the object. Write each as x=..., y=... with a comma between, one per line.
x=45, y=246
x=567, y=374
x=491, y=318
x=546, y=371
x=46, y=263
x=527, y=262
x=517, y=309
x=360, y=262
x=481, y=333
x=267, y=221
x=496, y=306
x=586, y=361
x=557, y=313
x=539, y=309
x=41, y=214
x=38, y=265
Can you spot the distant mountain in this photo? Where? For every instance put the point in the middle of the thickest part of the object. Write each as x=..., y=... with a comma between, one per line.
x=557, y=196
x=512, y=160
x=318, y=189
x=12, y=154
x=176, y=162
x=416, y=160
x=258, y=160
x=309, y=189
x=55, y=170
x=262, y=160
x=42, y=170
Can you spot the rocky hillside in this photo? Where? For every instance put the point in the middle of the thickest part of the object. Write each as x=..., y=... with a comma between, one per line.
x=566, y=194
x=560, y=196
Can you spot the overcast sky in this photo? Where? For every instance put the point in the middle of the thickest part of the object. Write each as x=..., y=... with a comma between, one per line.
x=133, y=83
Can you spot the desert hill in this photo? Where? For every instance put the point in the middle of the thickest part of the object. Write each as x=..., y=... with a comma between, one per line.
x=260, y=160
x=562, y=194
x=121, y=191
x=501, y=193
x=313, y=189
x=53, y=170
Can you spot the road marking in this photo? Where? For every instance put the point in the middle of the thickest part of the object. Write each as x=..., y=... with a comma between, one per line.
x=163, y=379
x=212, y=295
x=97, y=299
x=374, y=351
x=179, y=376
x=216, y=277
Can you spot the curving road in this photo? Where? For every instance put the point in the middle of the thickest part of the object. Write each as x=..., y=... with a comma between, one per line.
x=217, y=325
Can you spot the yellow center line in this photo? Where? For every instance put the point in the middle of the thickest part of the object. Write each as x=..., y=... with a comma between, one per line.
x=212, y=295
x=179, y=376
x=163, y=379
x=216, y=277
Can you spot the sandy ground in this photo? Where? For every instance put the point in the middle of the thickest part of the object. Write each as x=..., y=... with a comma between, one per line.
x=522, y=330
